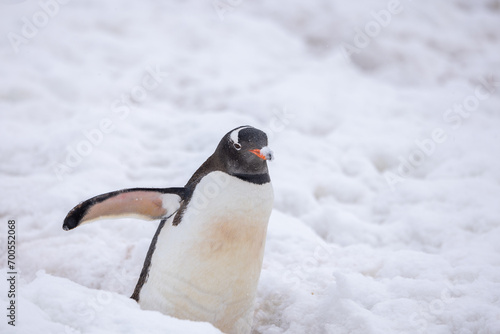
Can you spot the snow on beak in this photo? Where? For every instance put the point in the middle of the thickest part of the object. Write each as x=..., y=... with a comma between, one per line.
x=264, y=153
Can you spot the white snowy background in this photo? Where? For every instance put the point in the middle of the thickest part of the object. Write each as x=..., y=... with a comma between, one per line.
x=383, y=116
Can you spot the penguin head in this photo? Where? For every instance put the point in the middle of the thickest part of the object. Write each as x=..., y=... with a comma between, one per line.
x=244, y=151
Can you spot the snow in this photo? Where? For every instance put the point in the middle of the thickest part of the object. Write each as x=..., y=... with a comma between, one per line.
x=268, y=153
x=386, y=177
x=91, y=311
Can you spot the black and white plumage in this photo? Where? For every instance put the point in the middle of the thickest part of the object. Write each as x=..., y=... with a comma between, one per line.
x=205, y=258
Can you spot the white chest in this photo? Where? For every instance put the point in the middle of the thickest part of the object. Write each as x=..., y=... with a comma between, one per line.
x=207, y=268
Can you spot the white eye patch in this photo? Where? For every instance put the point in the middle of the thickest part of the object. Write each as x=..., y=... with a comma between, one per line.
x=235, y=135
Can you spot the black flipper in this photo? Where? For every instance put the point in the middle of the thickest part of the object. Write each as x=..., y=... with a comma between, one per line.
x=147, y=263
x=144, y=203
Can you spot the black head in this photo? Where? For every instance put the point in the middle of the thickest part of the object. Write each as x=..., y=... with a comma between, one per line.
x=244, y=151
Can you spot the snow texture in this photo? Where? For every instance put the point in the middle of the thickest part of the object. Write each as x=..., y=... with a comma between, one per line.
x=384, y=117
x=268, y=153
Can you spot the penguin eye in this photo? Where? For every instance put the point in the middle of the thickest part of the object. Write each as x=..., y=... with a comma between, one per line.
x=237, y=146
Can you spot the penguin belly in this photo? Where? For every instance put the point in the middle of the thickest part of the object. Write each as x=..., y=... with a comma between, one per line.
x=207, y=268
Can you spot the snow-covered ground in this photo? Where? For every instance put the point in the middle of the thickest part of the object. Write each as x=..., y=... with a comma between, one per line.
x=383, y=116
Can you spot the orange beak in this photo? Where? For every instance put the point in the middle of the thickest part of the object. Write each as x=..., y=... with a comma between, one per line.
x=266, y=155
x=257, y=153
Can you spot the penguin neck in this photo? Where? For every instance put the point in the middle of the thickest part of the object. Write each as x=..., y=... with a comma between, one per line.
x=216, y=163
x=254, y=178
x=256, y=173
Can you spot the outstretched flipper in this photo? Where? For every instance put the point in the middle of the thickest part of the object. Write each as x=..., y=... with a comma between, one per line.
x=144, y=203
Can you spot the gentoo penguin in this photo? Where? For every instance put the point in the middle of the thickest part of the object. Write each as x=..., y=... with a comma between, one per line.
x=205, y=258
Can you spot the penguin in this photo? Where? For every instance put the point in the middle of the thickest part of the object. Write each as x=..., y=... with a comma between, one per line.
x=205, y=258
